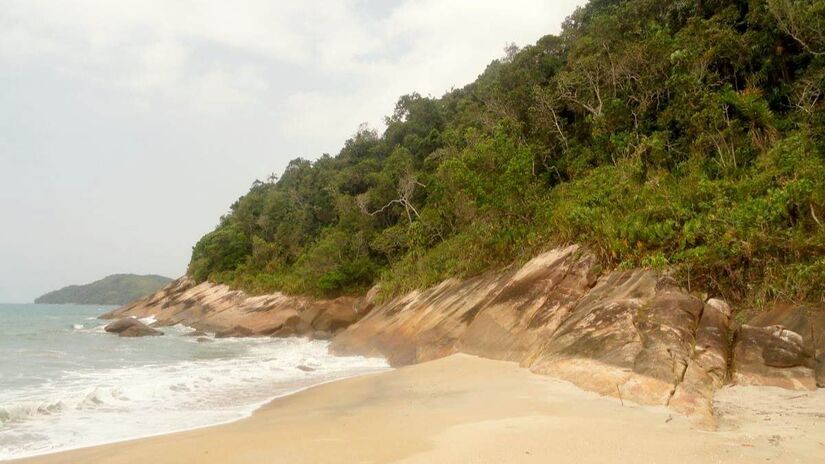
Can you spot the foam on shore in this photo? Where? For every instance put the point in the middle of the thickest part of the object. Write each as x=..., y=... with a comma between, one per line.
x=89, y=407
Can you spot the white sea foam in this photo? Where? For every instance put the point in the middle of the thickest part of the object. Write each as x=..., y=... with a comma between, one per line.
x=94, y=406
x=96, y=327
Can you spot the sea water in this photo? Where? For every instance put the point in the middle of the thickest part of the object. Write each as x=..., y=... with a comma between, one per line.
x=66, y=383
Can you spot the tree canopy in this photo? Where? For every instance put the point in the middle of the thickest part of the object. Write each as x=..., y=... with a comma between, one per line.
x=679, y=134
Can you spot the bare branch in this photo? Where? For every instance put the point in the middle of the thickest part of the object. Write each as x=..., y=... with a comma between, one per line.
x=805, y=28
x=406, y=188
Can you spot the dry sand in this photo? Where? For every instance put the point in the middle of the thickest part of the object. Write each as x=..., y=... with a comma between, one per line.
x=464, y=409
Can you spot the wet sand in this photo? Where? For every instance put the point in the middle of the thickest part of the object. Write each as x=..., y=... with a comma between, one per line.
x=464, y=409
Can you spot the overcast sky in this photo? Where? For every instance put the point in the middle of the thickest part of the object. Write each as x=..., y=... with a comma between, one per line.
x=128, y=127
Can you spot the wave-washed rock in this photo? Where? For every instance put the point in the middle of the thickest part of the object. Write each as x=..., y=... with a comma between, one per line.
x=632, y=334
x=131, y=327
x=233, y=313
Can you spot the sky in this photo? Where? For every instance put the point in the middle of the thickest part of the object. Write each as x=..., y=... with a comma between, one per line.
x=127, y=128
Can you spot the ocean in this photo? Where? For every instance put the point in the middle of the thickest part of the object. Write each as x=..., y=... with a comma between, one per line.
x=65, y=383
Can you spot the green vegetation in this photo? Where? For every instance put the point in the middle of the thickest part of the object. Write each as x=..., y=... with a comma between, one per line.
x=677, y=134
x=116, y=289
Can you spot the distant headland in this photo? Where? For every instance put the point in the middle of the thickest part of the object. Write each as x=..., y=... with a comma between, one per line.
x=116, y=289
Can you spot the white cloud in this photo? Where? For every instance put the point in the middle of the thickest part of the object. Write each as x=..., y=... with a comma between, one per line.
x=128, y=126
x=426, y=46
x=361, y=62
x=158, y=64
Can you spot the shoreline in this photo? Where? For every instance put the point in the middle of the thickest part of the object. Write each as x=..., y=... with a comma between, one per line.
x=468, y=409
x=250, y=412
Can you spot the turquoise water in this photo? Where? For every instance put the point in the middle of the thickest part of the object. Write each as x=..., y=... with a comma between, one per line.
x=65, y=383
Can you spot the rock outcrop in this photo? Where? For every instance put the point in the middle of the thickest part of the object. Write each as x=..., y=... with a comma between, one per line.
x=131, y=327
x=633, y=334
x=419, y=326
x=501, y=315
x=532, y=304
x=233, y=313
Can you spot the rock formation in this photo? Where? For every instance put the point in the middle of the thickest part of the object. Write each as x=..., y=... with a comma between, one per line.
x=633, y=334
x=233, y=313
x=809, y=323
x=131, y=327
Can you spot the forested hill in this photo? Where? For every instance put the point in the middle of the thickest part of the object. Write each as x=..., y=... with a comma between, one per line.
x=116, y=289
x=680, y=134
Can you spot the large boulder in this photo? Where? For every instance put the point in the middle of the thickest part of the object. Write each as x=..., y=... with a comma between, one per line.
x=236, y=332
x=773, y=356
x=294, y=326
x=334, y=315
x=808, y=322
x=131, y=327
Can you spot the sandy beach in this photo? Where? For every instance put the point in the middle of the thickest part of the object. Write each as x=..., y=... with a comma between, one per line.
x=464, y=409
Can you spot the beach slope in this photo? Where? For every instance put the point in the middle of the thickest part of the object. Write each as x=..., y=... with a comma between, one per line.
x=471, y=410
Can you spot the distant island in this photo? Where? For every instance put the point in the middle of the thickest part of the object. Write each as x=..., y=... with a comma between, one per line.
x=116, y=289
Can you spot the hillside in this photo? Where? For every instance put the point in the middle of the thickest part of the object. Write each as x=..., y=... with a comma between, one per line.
x=116, y=289
x=658, y=134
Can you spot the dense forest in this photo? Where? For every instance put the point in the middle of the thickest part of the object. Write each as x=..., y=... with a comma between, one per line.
x=676, y=134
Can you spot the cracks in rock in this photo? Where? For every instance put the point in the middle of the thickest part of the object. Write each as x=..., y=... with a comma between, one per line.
x=532, y=322
x=733, y=338
x=690, y=359
x=678, y=382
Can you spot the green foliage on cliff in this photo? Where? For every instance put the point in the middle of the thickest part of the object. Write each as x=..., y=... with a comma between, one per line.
x=658, y=133
x=116, y=289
